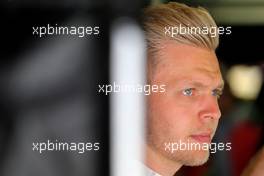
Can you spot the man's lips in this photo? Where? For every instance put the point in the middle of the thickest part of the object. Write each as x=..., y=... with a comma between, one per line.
x=204, y=137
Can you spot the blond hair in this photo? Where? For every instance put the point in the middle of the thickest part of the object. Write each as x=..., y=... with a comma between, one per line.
x=157, y=17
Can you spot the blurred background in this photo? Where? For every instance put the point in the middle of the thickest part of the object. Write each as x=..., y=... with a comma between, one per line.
x=49, y=85
x=49, y=89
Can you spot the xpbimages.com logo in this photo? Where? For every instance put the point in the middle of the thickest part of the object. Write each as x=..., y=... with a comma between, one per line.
x=131, y=88
x=80, y=31
x=172, y=31
x=172, y=147
x=79, y=147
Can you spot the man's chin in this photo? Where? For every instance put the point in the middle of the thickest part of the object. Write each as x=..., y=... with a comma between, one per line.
x=197, y=159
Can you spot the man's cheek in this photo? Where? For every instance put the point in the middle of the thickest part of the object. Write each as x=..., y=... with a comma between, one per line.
x=215, y=127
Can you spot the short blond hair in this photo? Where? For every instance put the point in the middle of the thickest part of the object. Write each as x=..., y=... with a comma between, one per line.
x=157, y=17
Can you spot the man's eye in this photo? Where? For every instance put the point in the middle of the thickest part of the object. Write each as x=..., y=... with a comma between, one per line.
x=188, y=92
x=217, y=93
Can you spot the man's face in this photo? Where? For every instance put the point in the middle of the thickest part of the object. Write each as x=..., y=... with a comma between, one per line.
x=188, y=110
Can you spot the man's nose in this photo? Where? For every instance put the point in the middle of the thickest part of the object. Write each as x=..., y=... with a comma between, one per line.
x=209, y=108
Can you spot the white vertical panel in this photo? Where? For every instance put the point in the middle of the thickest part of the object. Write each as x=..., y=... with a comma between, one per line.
x=127, y=66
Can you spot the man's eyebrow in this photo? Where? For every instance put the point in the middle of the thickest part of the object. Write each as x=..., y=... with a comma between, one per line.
x=191, y=82
x=202, y=85
x=198, y=84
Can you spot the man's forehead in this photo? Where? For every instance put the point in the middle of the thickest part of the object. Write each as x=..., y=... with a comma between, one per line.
x=198, y=78
x=186, y=60
x=196, y=72
x=189, y=68
x=182, y=54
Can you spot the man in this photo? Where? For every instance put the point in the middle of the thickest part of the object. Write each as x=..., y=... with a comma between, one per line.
x=184, y=61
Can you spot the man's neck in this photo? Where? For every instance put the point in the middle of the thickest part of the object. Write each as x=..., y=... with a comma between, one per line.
x=159, y=163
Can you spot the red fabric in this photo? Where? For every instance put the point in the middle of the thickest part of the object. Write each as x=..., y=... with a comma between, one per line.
x=244, y=138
